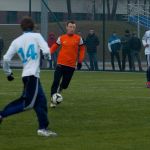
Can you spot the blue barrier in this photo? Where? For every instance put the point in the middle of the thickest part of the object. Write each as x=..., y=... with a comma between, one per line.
x=143, y=20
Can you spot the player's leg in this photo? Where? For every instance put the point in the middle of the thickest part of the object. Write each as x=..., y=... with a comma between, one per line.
x=57, y=77
x=12, y=108
x=130, y=61
x=67, y=76
x=55, y=85
x=133, y=60
x=139, y=61
x=148, y=71
x=95, y=61
x=118, y=60
x=123, y=60
x=25, y=102
x=112, y=60
x=41, y=110
x=91, y=61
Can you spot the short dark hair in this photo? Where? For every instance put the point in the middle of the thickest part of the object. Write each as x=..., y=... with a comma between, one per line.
x=27, y=24
x=70, y=21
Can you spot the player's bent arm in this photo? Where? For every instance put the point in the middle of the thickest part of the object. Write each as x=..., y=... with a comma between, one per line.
x=54, y=47
x=44, y=47
x=7, y=58
x=109, y=47
x=144, y=39
x=81, y=53
x=6, y=67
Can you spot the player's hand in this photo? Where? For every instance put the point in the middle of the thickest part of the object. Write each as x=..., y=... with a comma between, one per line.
x=10, y=77
x=79, y=66
x=147, y=45
x=47, y=56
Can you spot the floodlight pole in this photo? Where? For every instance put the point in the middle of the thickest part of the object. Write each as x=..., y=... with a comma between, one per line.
x=138, y=25
x=30, y=8
x=44, y=19
x=61, y=28
x=104, y=35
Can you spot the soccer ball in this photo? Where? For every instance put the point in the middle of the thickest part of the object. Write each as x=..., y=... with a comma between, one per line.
x=56, y=98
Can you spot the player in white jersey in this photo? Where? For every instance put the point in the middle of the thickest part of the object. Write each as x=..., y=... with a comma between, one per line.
x=28, y=47
x=146, y=44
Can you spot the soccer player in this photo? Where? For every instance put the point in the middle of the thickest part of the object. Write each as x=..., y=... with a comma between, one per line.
x=28, y=47
x=72, y=51
x=146, y=44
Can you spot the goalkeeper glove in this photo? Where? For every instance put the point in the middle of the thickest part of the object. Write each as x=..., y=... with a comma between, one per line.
x=79, y=65
x=10, y=77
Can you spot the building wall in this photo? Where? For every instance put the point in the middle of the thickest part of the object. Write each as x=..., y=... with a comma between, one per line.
x=11, y=11
x=78, y=6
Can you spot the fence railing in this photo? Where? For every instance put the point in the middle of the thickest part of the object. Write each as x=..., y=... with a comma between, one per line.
x=139, y=14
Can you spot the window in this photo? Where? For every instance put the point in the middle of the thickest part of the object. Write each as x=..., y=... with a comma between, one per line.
x=11, y=17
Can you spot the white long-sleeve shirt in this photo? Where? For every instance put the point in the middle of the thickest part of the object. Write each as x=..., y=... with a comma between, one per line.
x=146, y=41
x=28, y=47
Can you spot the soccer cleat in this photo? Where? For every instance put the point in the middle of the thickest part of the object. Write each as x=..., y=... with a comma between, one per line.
x=52, y=105
x=46, y=133
x=148, y=84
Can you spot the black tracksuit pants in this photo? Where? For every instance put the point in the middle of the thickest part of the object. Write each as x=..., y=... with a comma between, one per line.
x=62, y=74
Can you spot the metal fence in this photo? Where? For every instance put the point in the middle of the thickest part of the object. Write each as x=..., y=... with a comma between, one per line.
x=96, y=16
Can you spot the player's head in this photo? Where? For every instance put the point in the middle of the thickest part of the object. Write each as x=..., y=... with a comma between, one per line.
x=27, y=24
x=70, y=27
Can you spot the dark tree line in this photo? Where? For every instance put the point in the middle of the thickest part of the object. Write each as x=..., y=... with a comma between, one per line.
x=111, y=9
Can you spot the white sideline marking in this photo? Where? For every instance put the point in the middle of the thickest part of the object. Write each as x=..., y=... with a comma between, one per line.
x=116, y=80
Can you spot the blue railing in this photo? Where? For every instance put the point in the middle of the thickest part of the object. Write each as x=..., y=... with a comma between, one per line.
x=141, y=19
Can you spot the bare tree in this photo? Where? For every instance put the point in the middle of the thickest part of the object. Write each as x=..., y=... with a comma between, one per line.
x=128, y=1
x=114, y=9
x=108, y=9
x=149, y=6
x=69, y=9
x=111, y=13
x=128, y=9
x=135, y=2
x=93, y=11
x=144, y=7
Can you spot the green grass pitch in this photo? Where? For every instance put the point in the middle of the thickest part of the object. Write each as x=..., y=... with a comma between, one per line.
x=100, y=111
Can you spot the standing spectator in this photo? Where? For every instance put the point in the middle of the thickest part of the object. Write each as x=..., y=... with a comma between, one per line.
x=92, y=42
x=114, y=45
x=51, y=41
x=146, y=44
x=1, y=46
x=135, y=46
x=126, y=52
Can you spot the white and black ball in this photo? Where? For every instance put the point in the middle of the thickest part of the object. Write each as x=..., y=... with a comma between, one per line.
x=57, y=98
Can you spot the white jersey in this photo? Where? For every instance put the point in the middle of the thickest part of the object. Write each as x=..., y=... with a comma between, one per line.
x=28, y=47
x=145, y=41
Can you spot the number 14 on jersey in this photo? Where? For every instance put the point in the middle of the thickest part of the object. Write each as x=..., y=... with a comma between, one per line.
x=30, y=54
